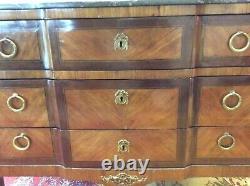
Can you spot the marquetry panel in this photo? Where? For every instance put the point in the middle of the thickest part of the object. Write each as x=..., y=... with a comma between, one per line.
x=207, y=146
x=98, y=145
x=40, y=145
x=151, y=104
x=25, y=37
x=217, y=31
x=25, y=104
x=151, y=43
x=212, y=112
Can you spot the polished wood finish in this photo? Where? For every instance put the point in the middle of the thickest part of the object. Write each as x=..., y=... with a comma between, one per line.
x=141, y=11
x=98, y=45
x=25, y=34
x=210, y=93
x=98, y=145
x=216, y=31
x=174, y=115
x=159, y=104
x=35, y=113
x=40, y=151
x=153, y=43
x=96, y=109
x=207, y=147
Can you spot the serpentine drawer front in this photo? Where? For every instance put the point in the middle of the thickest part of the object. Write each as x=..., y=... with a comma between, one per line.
x=143, y=43
x=134, y=80
x=123, y=104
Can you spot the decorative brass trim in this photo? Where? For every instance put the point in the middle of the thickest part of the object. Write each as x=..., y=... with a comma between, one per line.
x=231, y=93
x=121, y=42
x=121, y=97
x=123, y=145
x=231, y=46
x=19, y=147
x=16, y=96
x=123, y=179
x=14, y=48
x=226, y=135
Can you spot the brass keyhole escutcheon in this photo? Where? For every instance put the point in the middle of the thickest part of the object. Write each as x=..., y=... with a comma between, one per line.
x=123, y=145
x=121, y=42
x=121, y=97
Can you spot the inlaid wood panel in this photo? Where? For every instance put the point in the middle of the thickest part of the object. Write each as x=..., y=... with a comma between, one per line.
x=26, y=37
x=215, y=37
x=151, y=104
x=40, y=146
x=208, y=149
x=155, y=145
x=36, y=111
x=209, y=100
x=152, y=43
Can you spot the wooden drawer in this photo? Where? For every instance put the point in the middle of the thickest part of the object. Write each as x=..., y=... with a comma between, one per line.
x=216, y=34
x=150, y=105
x=138, y=43
x=222, y=101
x=24, y=103
x=89, y=147
x=25, y=145
x=222, y=145
x=20, y=45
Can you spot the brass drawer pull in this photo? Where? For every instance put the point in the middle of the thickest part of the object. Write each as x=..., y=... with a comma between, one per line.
x=123, y=145
x=13, y=47
x=226, y=136
x=121, y=42
x=121, y=97
x=123, y=179
x=18, y=146
x=224, y=100
x=231, y=40
x=10, y=104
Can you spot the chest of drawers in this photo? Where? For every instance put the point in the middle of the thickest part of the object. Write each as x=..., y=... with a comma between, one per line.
x=168, y=83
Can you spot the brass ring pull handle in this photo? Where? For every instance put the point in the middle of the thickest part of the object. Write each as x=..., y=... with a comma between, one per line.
x=121, y=42
x=13, y=46
x=121, y=97
x=123, y=179
x=226, y=136
x=18, y=146
x=231, y=40
x=123, y=145
x=10, y=105
x=224, y=100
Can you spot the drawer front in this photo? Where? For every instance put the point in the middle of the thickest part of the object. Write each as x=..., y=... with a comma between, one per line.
x=20, y=45
x=25, y=144
x=230, y=33
x=147, y=104
x=222, y=143
x=95, y=146
x=123, y=43
x=223, y=101
x=23, y=104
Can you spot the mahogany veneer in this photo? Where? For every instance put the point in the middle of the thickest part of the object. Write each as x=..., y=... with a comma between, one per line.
x=188, y=119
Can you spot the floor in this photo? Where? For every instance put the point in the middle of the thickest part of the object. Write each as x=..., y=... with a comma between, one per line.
x=52, y=181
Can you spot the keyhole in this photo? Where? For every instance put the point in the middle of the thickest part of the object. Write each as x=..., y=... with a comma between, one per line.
x=121, y=99
x=123, y=148
x=121, y=44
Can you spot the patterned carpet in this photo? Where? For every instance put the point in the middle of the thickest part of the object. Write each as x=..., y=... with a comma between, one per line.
x=52, y=181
